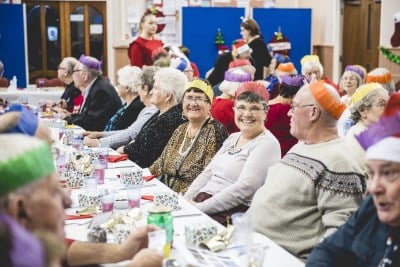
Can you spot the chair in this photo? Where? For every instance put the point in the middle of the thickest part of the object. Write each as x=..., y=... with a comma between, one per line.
x=53, y=82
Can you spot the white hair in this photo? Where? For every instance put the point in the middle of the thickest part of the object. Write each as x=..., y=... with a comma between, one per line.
x=172, y=82
x=130, y=76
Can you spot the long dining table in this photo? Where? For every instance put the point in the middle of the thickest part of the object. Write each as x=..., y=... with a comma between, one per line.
x=186, y=215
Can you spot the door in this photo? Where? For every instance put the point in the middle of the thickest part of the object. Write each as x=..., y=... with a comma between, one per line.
x=57, y=29
x=361, y=20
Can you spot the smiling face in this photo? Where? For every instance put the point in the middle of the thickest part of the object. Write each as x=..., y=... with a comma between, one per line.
x=374, y=112
x=349, y=83
x=196, y=106
x=250, y=117
x=384, y=186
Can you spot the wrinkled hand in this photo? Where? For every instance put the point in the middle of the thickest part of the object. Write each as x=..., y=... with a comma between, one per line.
x=136, y=241
x=93, y=134
x=120, y=150
x=147, y=258
x=91, y=142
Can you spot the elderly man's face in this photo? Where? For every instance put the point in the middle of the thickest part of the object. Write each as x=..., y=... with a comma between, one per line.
x=300, y=114
x=384, y=186
x=79, y=76
x=44, y=206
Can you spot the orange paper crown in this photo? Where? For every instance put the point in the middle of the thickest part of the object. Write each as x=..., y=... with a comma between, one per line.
x=326, y=100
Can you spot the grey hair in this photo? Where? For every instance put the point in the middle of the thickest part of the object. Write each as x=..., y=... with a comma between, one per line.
x=130, y=76
x=70, y=63
x=92, y=72
x=147, y=78
x=365, y=103
x=172, y=82
x=311, y=65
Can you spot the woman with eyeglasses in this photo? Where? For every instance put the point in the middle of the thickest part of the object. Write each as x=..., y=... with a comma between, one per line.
x=352, y=78
x=229, y=181
x=117, y=138
x=194, y=143
x=368, y=103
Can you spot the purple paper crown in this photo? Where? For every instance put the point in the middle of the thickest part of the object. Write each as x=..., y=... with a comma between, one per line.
x=237, y=76
x=356, y=70
x=23, y=243
x=293, y=80
x=90, y=62
x=385, y=127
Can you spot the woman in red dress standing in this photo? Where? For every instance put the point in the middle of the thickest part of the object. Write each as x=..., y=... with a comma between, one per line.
x=140, y=50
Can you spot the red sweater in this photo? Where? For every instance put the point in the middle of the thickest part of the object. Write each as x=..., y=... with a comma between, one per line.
x=140, y=51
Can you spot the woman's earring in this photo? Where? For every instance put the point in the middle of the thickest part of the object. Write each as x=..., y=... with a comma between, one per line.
x=184, y=117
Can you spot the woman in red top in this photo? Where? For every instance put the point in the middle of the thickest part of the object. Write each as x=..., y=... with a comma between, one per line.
x=278, y=122
x=140, y=50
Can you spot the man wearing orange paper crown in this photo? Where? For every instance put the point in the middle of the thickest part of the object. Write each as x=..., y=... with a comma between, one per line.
x=317, y=185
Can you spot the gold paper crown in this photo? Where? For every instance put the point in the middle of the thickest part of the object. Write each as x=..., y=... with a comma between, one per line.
x=203, y=86
x=309, y=58
x=363, y=90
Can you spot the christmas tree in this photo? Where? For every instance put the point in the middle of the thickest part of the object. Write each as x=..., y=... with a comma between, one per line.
x=219, y=38
x=220, y=43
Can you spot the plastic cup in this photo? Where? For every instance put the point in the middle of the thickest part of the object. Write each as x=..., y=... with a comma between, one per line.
x=103, y=155
x=134, y=195
x=61, y=162
x=90, y=184
x=99, y=172
x=243, y=229
x=107, y=200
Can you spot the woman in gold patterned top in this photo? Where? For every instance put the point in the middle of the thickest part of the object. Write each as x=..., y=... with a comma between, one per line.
x=193, y=144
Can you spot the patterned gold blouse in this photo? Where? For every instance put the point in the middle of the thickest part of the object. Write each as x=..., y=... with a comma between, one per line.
x=210, y=139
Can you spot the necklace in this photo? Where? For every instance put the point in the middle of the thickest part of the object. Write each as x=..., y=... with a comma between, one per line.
x=233, y=149
x=188, y=141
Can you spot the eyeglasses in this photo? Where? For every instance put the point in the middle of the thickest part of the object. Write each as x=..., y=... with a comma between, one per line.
x=350, y=78
x=380, y=104
x=251, y=110
x=61, y=68
x=197, y=100
x=76, y=71
x=293, y=107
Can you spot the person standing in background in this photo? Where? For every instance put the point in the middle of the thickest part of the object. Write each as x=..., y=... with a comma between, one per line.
x=141, y=49
x=250, y=32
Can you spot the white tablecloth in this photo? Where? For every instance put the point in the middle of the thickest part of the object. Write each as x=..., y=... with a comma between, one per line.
x=274, y=255
x=31, y=97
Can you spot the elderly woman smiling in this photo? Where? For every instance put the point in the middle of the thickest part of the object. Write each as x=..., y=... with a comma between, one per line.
x=194, y=143
x=368, y=103
x=239, y=168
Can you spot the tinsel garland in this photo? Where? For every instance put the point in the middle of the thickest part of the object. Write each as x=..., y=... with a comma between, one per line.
x=389, y=55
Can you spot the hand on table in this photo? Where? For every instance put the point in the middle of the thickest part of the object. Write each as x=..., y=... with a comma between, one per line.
x=90, y=142
x=120, y=150
x=93, y=134
x=136, y=241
